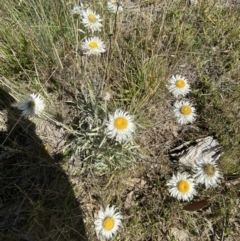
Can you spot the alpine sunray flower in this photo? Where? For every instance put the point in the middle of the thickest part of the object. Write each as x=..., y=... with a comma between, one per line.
x=78, y=9
x=114, y=6
x=91, y=20
x=32, y=106
x=178, y=86
x=181, y=186
x=184, y=112
x=108, y=222
x=93, y=46
x=120, y=126
x=206, y=172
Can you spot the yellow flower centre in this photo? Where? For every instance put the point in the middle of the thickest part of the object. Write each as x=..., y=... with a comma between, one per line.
x=92, y=18
x=31, y=104
x=108, y=223
x=186, y=110
x=180, y=83
x=183, y=186
x=93, y=45
x=121, y=123
x=209, y=169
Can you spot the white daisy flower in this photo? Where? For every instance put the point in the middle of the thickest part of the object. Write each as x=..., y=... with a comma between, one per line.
x=120, y=126
x=32, y=106
x=77, y=10
x=206, y=172
x=178, y=86
x=91, y=20
x=182, y=186
x=114, y=6
x=184, y=112
x=108, y=222
x=93, y=46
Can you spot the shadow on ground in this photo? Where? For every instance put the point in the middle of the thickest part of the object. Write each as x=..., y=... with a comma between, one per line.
x=36, y=199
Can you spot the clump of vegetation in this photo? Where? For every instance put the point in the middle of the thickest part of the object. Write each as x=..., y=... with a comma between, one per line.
x=122, y=84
